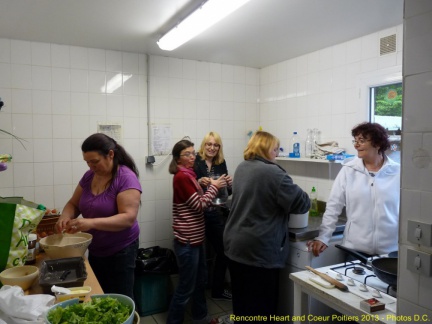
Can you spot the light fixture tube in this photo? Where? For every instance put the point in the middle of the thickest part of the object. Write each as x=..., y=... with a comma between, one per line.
x=205, y=16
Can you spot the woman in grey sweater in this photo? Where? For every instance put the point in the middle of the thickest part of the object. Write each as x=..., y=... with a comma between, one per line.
x=256, y=233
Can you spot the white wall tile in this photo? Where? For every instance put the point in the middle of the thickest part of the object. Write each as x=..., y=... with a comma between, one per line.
x=354, y=50
x=60, y=79
x=417, y=49
x=79, y=80
x=21, y=76
x=416, y=93
x=5, y=72
x=79, y=58
x=42, y=126
x=5, y=50
x=41, y=102
x=79, y=103
x=131, y=85
x=114, y=61
x=130, y=63
x=40, y=54
x=20, y=52
x=97, y=81
x=189, y=69
x=60, y=56
x=23, y=175
x=43, y=173
x=41, y=78
x=61, y=126
x=21, y=101
x=96, y=59
x=61, y=102
x=97, y=104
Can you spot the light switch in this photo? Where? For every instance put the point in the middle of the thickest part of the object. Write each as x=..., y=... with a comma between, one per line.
x=420, y=233
x=419, y=262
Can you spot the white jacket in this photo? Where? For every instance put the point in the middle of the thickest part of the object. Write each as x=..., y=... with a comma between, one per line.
x=372, y=207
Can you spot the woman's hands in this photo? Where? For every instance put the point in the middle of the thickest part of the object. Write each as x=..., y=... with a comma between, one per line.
x=219, y=182
x=316, y=247
x=205, y=181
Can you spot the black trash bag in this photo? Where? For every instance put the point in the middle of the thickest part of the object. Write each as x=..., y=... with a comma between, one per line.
x=156, y=260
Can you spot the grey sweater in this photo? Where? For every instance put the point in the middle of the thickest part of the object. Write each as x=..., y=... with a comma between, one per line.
x=256, y=232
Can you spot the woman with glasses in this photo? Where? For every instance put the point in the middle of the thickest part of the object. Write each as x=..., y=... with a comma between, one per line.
x=189, y=203
x=368, y=186
x=256, y=233
x=210, y=162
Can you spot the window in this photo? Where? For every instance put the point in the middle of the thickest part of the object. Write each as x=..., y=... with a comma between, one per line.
x=386, y=109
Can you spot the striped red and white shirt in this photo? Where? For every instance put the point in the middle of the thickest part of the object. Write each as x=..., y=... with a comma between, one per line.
x=188, y=209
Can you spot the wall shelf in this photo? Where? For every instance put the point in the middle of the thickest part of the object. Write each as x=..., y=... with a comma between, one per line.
x=280, y=158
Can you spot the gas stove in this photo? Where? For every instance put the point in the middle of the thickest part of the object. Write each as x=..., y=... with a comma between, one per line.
x=364, y=275
x=362, y=282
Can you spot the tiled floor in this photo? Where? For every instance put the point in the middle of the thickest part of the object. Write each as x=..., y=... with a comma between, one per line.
x=215, y=308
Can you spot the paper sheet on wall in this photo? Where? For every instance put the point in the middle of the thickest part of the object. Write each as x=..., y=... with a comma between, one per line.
x=161, y=136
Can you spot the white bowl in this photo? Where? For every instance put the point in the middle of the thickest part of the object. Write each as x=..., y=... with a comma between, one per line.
x=22, y=276
x=60, y=246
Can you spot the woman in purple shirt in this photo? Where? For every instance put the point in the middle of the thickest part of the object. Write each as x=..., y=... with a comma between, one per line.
x=108, y=198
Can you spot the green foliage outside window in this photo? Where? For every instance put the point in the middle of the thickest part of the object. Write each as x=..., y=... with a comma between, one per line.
x=388, y=100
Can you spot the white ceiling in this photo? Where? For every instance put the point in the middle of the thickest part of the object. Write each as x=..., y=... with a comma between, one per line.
x=261, y=33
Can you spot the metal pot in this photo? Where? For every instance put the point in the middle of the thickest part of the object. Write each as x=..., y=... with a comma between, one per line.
x=384, y=268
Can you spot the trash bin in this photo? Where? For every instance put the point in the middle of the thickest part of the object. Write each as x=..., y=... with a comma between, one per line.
x=154, y=265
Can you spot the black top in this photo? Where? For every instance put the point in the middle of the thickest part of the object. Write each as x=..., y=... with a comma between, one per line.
x=201, y=170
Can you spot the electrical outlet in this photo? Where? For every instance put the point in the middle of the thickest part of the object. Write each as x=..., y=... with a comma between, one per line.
x=150, y=159
x=419, y=262
x=420, y=233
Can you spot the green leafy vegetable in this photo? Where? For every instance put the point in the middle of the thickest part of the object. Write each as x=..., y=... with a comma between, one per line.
x=106, y=310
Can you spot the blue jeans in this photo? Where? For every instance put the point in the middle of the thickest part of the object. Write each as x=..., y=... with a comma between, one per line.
x=192, y=282
x=214, y=227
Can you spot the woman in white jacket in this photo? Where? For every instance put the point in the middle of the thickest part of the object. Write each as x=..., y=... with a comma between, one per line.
x=369, y=187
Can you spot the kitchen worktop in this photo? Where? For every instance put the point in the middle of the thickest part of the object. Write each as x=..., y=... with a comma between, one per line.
x=90, y=281
x=347, y=303
x=312, y=230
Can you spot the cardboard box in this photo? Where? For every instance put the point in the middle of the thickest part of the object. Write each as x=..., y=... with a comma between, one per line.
x=371, y=305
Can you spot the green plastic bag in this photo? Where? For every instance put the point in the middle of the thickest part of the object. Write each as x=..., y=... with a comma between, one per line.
x=18, y=218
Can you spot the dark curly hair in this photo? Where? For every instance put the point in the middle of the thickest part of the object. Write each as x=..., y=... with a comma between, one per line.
x=375, y=133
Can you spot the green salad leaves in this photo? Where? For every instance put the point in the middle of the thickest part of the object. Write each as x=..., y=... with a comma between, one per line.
x=106, y=310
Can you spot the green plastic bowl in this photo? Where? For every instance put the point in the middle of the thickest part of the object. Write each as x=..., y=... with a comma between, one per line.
x=121, y=298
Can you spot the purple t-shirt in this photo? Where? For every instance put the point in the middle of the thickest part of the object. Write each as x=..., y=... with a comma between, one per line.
x=107, y=243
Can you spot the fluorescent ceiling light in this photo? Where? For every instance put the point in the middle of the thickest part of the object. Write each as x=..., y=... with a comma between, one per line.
x=205, y=16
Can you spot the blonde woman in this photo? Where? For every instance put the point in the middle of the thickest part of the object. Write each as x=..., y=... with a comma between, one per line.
x=256, y=233
x=210, y=162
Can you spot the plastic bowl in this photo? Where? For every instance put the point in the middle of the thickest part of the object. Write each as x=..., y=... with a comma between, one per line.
x=22, y=276
x=122, y=298
x=59, y=246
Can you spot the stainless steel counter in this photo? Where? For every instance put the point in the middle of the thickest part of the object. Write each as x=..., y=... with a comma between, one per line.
x=311, y=231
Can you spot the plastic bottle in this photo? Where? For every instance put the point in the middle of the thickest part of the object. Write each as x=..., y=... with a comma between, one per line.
x=315, y=139
x=295, y=146
x=31, y=255
x=309, y=144
x=313, y=211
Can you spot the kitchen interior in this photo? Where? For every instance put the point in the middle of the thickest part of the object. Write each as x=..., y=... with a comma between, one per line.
x=279, y=65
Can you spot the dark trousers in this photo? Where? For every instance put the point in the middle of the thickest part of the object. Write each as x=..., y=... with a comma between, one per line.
x=214, y=227
x=116, y=273
x=255, y=290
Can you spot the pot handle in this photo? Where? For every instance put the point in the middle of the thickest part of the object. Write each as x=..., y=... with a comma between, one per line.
x=355, y=254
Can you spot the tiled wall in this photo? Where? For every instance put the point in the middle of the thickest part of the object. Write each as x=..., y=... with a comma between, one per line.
x=56, y=95
x=324, y=90
x=414, y=290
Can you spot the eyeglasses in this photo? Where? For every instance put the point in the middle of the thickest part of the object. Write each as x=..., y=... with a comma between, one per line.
x=189, y=154
x=215, y=145
x=360, y=141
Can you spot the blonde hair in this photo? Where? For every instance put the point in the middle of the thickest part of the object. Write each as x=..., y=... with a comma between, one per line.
x=260, y=144
x=219, y=158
